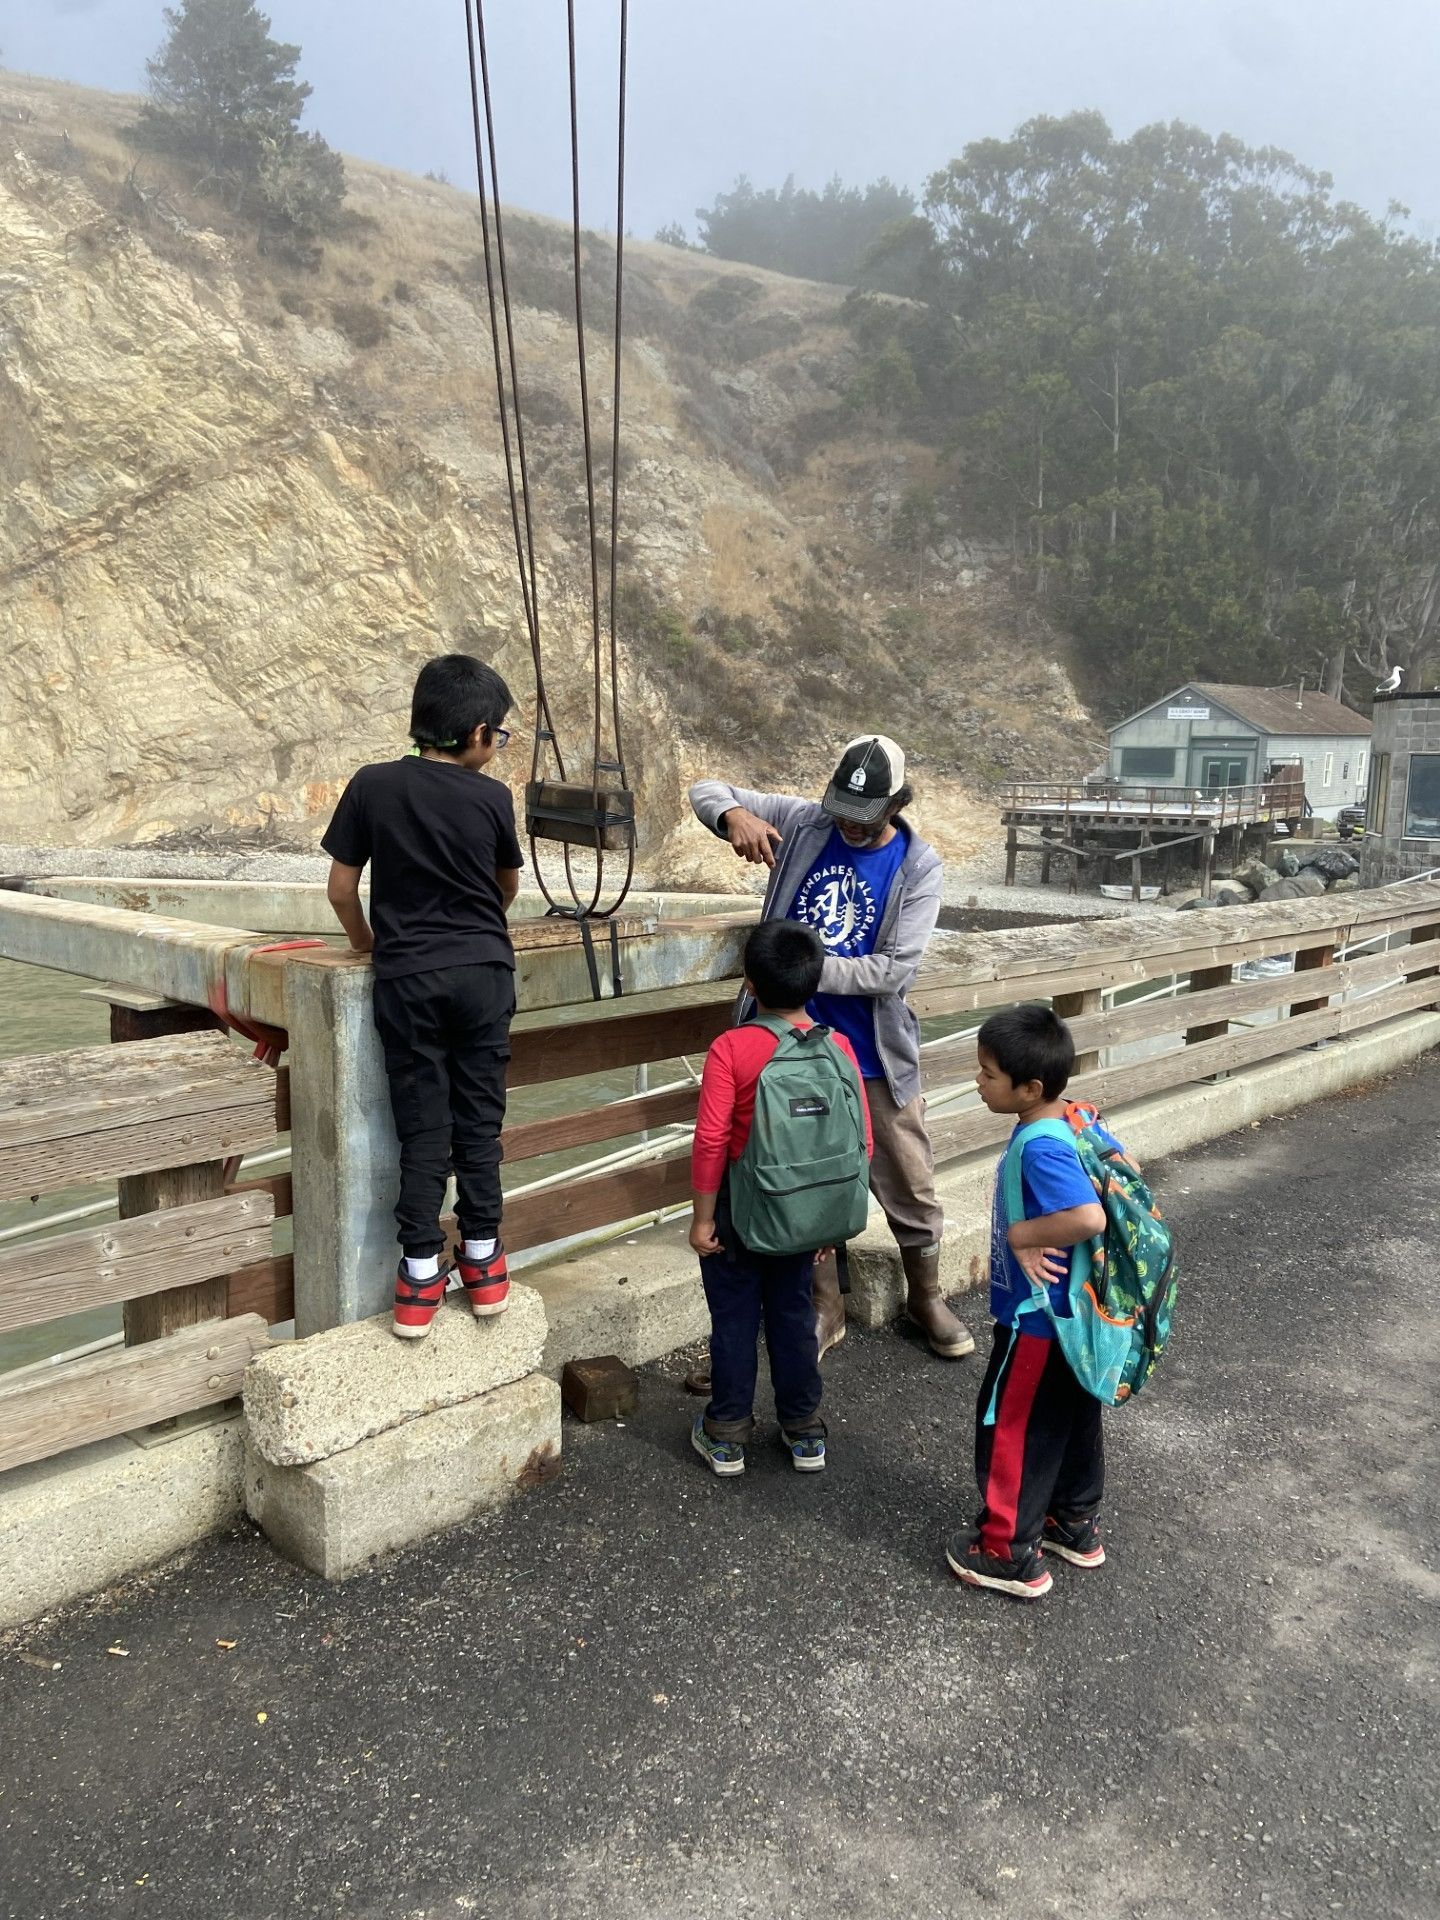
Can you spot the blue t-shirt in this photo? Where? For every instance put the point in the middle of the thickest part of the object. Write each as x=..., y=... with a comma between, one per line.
x=843, y=898
x=1052, y=1180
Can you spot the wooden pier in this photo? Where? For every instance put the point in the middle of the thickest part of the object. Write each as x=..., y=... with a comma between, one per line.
x=1112, y=823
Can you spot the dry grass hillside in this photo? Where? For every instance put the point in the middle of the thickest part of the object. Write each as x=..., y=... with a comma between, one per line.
x=241, y=499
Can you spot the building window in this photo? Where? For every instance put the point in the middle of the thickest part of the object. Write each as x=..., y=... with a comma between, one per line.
x=1147, y=763
x=1327, y=777
x=1422, y=800
x=1379, y=795
x=1360, y=770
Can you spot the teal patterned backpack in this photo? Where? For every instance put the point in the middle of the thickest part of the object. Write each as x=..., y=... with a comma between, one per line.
x=1122, y=1283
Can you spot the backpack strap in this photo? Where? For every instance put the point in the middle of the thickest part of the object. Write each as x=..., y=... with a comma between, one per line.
x=1012, y=1184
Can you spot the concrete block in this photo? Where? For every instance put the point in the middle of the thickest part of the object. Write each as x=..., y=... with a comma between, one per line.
x=308, y=1399
x=402, y=1486
x=70, y=1526
x=600, y=1389
x=637, y=1298
x=877, y=1279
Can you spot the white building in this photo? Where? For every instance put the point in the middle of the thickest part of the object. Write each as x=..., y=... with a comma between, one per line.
x=1207, y=735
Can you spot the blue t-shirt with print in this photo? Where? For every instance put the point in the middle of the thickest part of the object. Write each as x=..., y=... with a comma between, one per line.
x=843, y=898
x=1052, y=1180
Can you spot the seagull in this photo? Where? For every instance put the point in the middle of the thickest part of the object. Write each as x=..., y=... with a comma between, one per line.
x=1392, y=685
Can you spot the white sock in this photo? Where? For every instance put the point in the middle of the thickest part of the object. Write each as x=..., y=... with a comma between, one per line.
x=479, y=1249
x=424, y=1269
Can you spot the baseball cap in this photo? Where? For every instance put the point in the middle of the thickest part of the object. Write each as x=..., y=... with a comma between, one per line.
x=870, y=774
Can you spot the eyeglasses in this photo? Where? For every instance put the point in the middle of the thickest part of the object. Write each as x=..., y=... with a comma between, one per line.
x=500, y=736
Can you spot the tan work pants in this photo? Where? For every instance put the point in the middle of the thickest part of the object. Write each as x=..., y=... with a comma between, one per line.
x=902, y=1172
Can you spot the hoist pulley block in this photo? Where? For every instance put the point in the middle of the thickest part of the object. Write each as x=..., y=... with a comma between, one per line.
x=574, y=813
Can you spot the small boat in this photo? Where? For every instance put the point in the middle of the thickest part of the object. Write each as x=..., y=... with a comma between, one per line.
x=1125, y=893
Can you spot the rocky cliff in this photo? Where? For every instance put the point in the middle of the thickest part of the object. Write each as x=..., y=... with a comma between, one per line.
x=241, y=499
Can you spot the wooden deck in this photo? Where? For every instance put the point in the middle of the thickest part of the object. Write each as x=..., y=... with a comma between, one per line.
x=1131, y=808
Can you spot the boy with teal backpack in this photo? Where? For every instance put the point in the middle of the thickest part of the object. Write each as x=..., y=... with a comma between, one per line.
x=779, y=1170
x=1082, y=1284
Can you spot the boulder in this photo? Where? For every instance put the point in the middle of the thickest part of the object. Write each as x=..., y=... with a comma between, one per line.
x=1303, y=887
x=1231, y=897
x=1351, y=884
x=1255, y=877
x=1287, y=864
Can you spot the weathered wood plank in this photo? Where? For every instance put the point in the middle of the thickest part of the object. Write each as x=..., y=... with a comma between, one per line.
x=111, y=1393
x=670, y=1106
x=535, y=1219
x=93, y=1090
x=280, y=1188
x=159, y=1191
x=1075, y=1007
x=267, y=1288
x=47, y=1279
x=1205, y=981
x=80, y=1160
x=608, y=1034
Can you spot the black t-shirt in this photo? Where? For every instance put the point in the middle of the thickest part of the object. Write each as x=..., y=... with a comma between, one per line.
x=432, y=834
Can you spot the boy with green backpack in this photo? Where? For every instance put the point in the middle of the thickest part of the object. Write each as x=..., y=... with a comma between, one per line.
x=1082, y=1284
x=779, y=1170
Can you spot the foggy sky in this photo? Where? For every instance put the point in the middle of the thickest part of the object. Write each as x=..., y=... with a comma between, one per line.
x=815, y=87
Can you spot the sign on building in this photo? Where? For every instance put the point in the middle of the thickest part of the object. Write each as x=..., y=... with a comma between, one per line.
x=1187, y=713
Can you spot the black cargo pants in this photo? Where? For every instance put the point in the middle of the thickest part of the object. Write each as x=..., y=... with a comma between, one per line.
x=446, y=1036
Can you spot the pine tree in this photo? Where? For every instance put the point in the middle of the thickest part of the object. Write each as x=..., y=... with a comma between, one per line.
x=225, y=94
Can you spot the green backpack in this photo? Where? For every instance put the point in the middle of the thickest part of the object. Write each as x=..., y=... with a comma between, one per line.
x=803, y=1179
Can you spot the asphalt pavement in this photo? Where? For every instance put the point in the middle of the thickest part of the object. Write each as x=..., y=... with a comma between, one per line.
x=643, y=1692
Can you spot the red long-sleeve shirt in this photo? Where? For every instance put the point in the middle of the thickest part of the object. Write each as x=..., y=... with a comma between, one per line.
x=727, y=1100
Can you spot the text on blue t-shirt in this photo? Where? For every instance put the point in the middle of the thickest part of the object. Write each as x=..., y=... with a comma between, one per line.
x=843, y=898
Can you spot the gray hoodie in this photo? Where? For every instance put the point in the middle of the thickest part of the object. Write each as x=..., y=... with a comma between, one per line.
x=905, y=927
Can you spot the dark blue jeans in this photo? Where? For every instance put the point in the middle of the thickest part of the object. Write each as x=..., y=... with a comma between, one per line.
x=742, y=1290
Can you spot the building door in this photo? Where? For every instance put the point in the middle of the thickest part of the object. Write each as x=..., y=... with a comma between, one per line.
x=1223, y=770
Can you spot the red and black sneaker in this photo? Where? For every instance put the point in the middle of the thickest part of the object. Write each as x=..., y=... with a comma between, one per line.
x=486, y=1282
x=1077, y=1541
x=417, y=1302
x=1026, y=1579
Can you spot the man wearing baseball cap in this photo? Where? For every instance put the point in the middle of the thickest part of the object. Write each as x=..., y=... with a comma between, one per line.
x=853, y=869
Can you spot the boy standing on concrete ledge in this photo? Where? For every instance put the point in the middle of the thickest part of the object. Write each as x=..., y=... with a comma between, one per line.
x=853, y=868
x=439, y=838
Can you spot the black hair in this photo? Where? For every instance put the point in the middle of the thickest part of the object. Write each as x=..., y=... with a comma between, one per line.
x=783, y=961
x=454, y=695
x=898, y=802
x=1030, y=1042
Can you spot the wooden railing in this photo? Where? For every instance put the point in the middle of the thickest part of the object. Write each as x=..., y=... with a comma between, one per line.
x=1221, y=807
x=190, y=1252
x=1217, y=1024
x=161, y=1118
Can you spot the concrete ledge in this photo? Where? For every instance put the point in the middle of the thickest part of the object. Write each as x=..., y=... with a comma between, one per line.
x=637, y=1298
x=402, y=1486
x=306, y=1400
x=69, y=1527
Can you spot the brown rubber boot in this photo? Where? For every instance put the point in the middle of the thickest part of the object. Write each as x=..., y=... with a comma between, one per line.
x=948, y=1337
x=829, y=1304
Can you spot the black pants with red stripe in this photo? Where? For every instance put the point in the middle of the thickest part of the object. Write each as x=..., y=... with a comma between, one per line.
x=1045, y=1452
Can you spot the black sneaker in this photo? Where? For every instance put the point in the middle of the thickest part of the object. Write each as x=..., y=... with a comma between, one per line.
x=1027, y=1579
x=1077, y=1541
